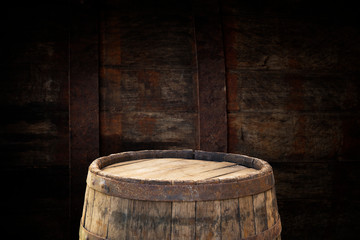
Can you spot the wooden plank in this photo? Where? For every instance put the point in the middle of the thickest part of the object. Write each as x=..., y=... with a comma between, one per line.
x=225, y=171
x=304, y=180
x=230, y=219
x=84, y=100
x=185, y=171
x=177, y=172
x=243, y=173
x=247, y=218
x=169, y=171
x=183, y=220
x=100, y=214
x=89, y=208
x=177, y=169
x=118, y=218
x=260, y=212
x=148, y=80
x=149, y=220
x=134, y=40
x=110, y=168
x=208, y=220
x=212, y=86
x=149, y=130
x=122, y=170
x=195, y=171
x=271, y=211
x=86, y=199
x=158, y=90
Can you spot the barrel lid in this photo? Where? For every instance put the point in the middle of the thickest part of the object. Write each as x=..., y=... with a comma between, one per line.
x=177, y=169
x=179, y=175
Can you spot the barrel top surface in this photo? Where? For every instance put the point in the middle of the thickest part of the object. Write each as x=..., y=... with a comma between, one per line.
x=177, y=169
x=179, y=175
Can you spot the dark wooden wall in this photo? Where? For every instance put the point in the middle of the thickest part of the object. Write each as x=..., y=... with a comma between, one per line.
x=278, y=80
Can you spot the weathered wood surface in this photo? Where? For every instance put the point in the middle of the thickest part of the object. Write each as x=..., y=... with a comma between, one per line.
x=177, y=169
x=291, y=70
x=183, y=220
x=148, y=80
x=117, y=218
x=293, y=100
x=212, y=82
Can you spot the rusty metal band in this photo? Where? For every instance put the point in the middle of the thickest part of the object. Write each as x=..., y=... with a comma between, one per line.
x=270, y=233
x=180, y=192
x=84, y=234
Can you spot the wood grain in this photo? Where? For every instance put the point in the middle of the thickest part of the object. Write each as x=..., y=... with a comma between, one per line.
x=150, y=220
x=100, y=214
x=270, y=210
x=260, y=213
x=247, y=217
x=142, y=215
x=148, y=80
x=230, y=219
x=177, y=169
x=89, y=208
x=183, y=220
x=212, y=83
x=208, y=220
x=118, y=218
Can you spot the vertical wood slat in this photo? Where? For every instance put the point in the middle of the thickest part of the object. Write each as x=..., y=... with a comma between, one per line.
x=208, y=220
x=270, y=208
x=230, y=218
x=89, y=208
x=100, y=215
x=149, y=220
x=84, y=100
x=260, y=212
x=211, y=77
x=118, y=218
x=247, y=218
x=86, y=200
x=183, y=220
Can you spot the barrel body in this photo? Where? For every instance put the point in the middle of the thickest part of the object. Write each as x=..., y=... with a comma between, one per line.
x=221, y=207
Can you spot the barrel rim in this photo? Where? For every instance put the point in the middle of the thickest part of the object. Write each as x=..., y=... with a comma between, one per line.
x=163, y=190
x=262, y=166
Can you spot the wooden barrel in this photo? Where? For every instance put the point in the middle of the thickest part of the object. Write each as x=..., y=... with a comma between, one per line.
x=180, y=194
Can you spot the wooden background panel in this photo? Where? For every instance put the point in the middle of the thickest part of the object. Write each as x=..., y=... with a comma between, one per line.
x=34, y=95
x=147, y=40
x=148, y=79
x=212, y=83
x=279, y=91
x=147, y=130
x=292, y=100
x=278, y=45
x=255, y=91
x=308, y=180
x=124, y=90
x=242, y=33
x=287, y=137
x=292, y=82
